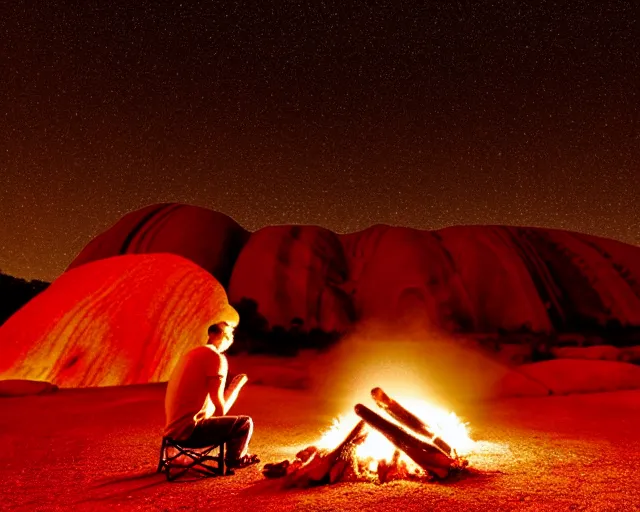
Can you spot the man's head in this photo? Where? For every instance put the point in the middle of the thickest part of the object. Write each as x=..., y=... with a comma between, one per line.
x=220, y=336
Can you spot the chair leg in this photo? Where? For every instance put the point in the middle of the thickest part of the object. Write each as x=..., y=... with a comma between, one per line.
x=197, y=463
x=221, y=463
x=161, y=462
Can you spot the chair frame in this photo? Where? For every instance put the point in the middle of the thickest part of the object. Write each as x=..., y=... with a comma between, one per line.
x=199, y=457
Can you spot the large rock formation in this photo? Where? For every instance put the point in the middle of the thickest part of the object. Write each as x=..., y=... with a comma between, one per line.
x=121, y=320
x=208, y=238
x=406, y=275
x=475, y=278
x=295, y=272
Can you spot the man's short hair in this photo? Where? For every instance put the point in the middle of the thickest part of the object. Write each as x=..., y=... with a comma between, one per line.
x=216, y=328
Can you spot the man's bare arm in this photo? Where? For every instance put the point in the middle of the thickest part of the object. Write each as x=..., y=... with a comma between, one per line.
x=216, y=381
x=233, y=391
x=215, y=385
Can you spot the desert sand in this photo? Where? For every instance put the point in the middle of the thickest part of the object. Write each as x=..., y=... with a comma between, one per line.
x=97, y=449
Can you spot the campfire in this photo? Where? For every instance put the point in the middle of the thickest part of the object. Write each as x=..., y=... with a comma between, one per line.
x=368, y=446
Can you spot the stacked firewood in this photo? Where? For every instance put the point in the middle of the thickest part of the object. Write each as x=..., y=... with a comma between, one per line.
x=434, y=457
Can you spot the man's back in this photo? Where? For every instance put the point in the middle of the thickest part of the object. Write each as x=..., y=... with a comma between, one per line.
x=187, y=389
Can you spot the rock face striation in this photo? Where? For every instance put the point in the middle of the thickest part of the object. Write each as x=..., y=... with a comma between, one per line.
x=210, y=239
x=464, y=278
x=120, y=320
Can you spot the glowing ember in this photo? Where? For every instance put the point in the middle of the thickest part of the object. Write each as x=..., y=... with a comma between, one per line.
x=377, y=448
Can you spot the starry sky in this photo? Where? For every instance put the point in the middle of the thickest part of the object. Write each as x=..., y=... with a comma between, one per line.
x=425, y=114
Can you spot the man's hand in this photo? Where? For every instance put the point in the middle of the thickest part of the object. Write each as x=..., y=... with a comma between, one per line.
x=232, y=392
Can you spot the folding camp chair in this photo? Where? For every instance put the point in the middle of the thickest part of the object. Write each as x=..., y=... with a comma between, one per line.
x=189, y=456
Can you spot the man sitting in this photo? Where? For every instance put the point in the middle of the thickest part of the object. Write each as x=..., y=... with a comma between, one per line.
x=196, y=403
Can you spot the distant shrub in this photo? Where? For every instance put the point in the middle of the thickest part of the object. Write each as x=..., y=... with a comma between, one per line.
x=15, y=293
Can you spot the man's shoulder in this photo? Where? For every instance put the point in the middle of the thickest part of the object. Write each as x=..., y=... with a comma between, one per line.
x=205, y=351
x=206, y=358
x=201, y=355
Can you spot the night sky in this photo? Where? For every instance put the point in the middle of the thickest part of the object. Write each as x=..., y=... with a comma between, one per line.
x=322, y=113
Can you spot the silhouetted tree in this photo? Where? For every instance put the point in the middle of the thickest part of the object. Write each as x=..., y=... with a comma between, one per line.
x=16, y=292
x=541, y=350
x=297, y=336
x=254, y=336
x=252, y=330
x=296, y=324
x=281, y=342
x=525, y=328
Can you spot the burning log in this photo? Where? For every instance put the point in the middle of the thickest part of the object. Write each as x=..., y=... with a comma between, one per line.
x=424, y=454
x=431, y=457
x=329, y=467
x=280, y=469
x=408, y=419
x=306, y=454
x=394, y=470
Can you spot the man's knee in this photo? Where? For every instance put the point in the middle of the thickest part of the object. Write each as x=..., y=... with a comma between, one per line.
x=246, y=422
x=242, y=426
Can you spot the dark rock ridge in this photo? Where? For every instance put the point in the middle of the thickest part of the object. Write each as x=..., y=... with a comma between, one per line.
x=457, y=279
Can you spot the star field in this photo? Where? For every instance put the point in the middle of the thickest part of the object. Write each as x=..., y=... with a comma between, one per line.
x=337, y=114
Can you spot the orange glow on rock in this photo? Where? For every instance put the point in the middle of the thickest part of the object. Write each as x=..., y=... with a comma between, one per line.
x=121, y=320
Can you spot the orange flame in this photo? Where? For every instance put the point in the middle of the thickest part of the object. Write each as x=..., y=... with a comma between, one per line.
x=376, y=447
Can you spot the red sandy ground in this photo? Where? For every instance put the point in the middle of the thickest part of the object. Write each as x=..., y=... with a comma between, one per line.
x=97, y=449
